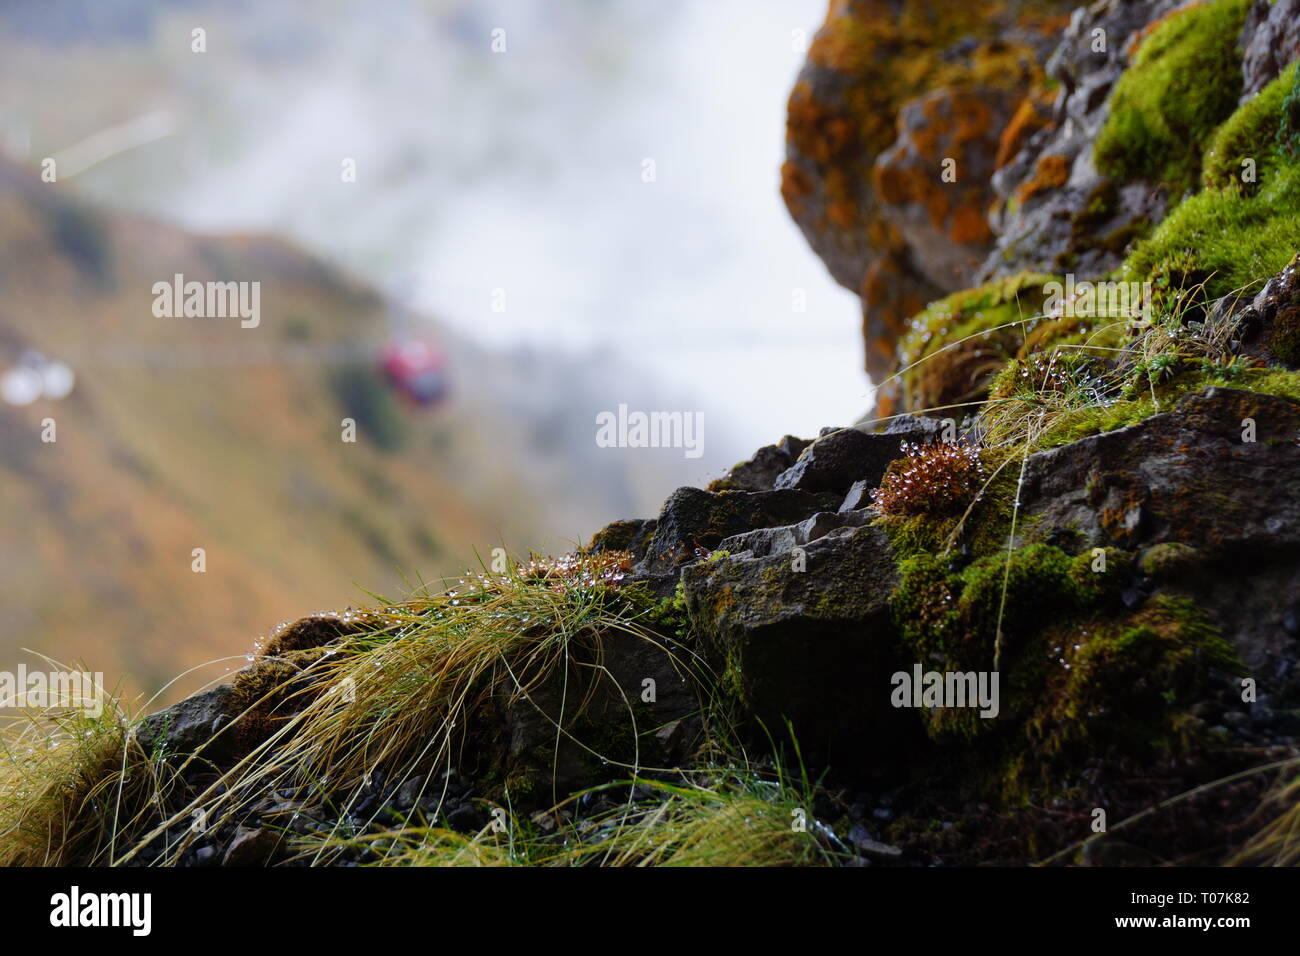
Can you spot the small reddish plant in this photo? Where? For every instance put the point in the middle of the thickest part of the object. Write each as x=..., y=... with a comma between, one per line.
x=938, y=478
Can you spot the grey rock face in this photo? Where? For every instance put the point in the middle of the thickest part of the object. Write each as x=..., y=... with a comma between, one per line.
x=769, y=541
x=835, y=462
x=809, y=641
x=1039, y=233
x=693, y=519
x=1271, y=39
x=761, y=471
x=186, y=726
x=1185, y=475
x=1187, y=478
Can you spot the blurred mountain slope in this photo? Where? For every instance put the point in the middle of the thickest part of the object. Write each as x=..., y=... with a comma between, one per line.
x=187, y=433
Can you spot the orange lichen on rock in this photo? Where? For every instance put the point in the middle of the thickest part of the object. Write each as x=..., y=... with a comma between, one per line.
x=892, y=90
x=1030, y=116
x=1052, y=172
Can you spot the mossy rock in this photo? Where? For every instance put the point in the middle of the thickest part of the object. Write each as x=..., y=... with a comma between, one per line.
x=954, y=348
x=954, y=615
x=317, y=630
x=1220, y=242
x=1254, y=132
x=1170, y=560
x=1284, y=338
x=1183, y=82
x=633, y=536
x=1128, y=682
x=991, y=615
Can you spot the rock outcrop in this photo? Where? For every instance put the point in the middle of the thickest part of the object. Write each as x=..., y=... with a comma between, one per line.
x=924, y=159
x=868, y=137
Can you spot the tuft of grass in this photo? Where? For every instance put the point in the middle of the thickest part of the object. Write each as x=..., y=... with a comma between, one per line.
x=734, y=813
x=1278, y=842
x=731, y=814
x=428, y=687
x=76, y=789
x=433, y=846
x=731, y=823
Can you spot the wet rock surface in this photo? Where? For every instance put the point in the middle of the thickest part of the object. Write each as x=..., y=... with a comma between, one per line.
x=806, y=637
x=1215, y=517
x=833, y=463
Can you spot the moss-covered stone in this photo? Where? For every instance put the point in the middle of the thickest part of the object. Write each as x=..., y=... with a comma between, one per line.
x=1127, y=682
x=954, y=616
x=1170, y=560
x=633, y=536
x=1284, y=338
x=1251, y=134
x=953, y=349
x=1183, y=82
x=1220, y=241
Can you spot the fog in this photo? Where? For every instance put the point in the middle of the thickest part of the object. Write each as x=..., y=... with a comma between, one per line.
x=504, y=193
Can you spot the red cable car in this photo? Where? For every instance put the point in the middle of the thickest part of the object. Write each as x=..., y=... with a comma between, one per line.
x=417, y=369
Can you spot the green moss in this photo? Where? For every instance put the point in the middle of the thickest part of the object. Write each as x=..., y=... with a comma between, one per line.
x=1072, y=424
x=1221, y=238
x=952, y=615
x=949, y=617
x=1096, y=580
x=620, y=536
x=668, y=616
x=1127, y=682
x=959, y=343
x=1253, y=132
x=1288, y=134
x=1173, y=559
x=1284, y=340
x=1272, y=381
x=1184, y=81
x=724, y=484
x=1061, y=372
x=924, y=605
